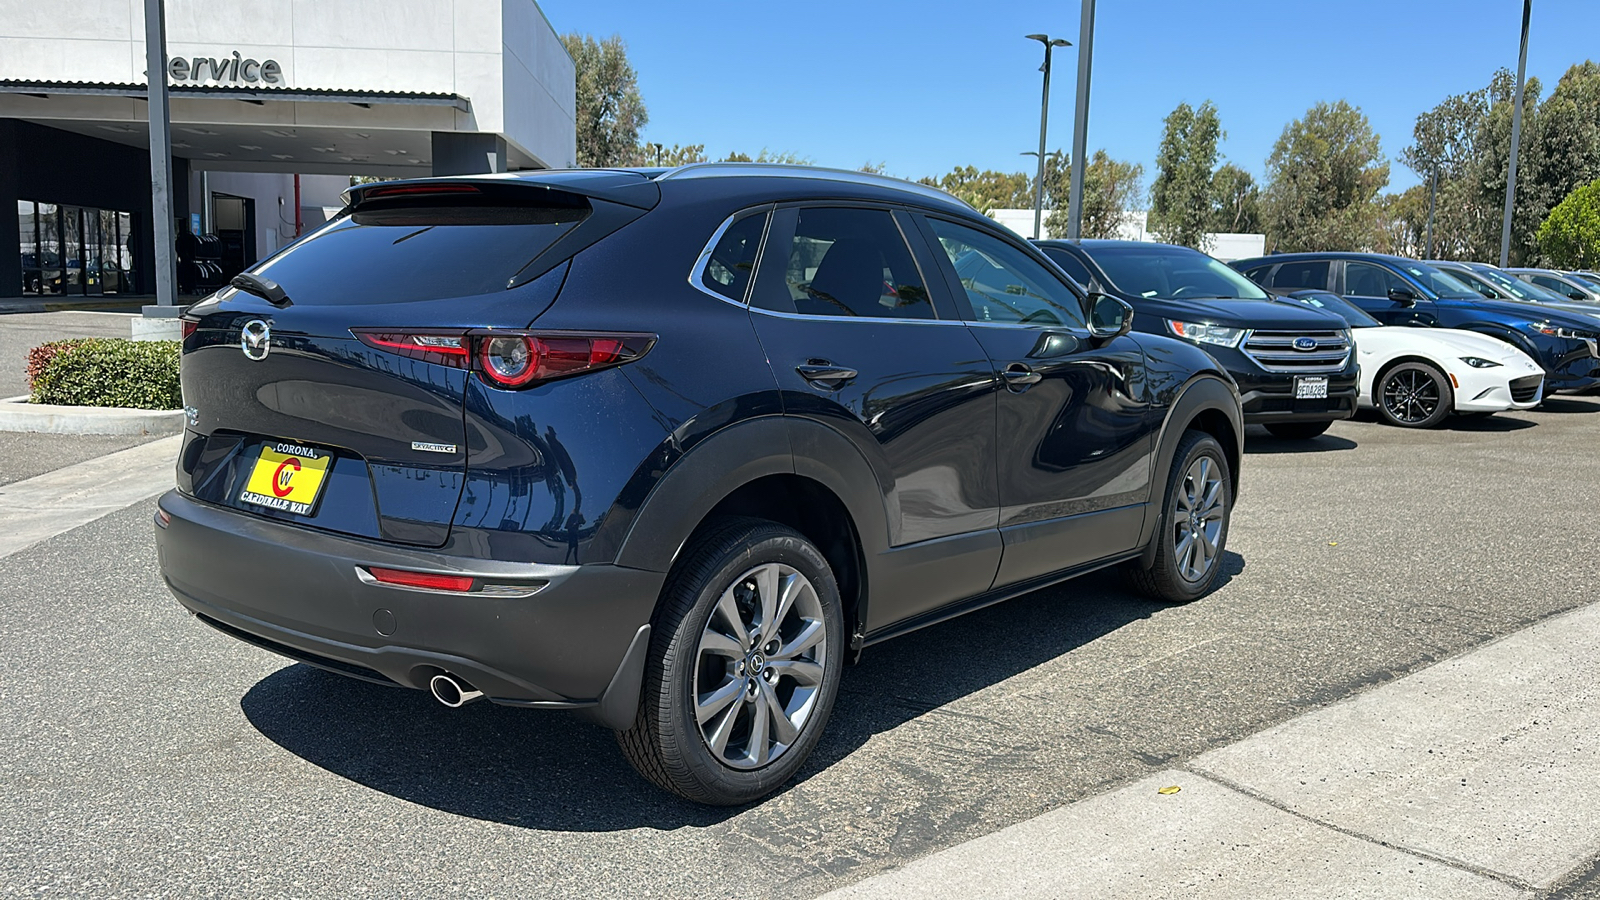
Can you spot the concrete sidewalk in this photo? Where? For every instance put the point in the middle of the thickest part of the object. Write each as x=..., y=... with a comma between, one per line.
x=1475, y=778
x=39, y=508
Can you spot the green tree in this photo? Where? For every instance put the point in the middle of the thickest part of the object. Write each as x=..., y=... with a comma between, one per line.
x=1236, y=202
x=1181, y=199
x=1110, y=187
x=1323, y=175
x=676, y=155
x=1402, y=222
x=1570, y=237
x=610, y=110
x=784, y=158
x=988, y=189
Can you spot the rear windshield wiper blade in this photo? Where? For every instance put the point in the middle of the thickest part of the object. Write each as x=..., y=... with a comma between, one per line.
x=265, y=288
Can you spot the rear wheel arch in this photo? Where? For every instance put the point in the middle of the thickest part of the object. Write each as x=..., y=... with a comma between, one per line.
x=793, y=471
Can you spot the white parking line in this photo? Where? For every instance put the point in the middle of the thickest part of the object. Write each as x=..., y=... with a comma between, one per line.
x=44, y=506
x=1476, y=777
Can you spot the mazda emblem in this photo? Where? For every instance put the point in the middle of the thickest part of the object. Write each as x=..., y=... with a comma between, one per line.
x=255, y=339
x=1304, y=344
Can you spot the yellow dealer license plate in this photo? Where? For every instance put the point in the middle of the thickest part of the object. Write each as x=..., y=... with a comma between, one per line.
x=287, y=477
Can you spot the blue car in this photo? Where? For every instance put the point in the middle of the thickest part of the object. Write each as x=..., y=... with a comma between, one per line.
x=1398, y=291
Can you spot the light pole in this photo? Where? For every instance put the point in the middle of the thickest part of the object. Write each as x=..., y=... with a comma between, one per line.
x=1516, y=135
x=1080, y=122
x=1044, y=124
x=1433, y=196
x=155, y=45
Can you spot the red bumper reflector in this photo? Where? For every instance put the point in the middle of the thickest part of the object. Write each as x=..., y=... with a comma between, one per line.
x=462, y=583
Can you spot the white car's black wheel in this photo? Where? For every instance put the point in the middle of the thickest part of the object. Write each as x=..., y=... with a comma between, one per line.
x=744, y=665
x=1193, y=531
x=1413, y=395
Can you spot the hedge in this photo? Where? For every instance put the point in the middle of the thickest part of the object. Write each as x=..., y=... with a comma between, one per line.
x=106, y=372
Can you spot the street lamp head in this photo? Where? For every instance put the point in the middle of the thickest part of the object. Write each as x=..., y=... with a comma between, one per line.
x=1046, y=40
x=1042, y=38
x=1061, y=42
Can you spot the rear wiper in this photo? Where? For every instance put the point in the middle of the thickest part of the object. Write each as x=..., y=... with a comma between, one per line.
x=266, y=289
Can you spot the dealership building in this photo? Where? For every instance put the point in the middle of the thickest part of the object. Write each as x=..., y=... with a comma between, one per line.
x=275, y=105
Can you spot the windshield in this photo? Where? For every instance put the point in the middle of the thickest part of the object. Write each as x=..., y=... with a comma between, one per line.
x=1167, y=272
x=1442, y=284
x=1516, y=287
x=1334, y=304
x=1589, y=281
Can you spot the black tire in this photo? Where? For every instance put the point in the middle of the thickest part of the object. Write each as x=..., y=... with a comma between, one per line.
x=1413, y=395
x=1298, y=431
x=666, y=743
x=1167, y=579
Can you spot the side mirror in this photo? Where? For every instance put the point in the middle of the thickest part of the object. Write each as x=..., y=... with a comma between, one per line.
x=1109, y=317
x=1577, y=295
x=1402, y=297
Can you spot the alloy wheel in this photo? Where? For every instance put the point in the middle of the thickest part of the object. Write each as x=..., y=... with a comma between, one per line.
x=1410, y=396
x=1197, y=514
x=759, y=666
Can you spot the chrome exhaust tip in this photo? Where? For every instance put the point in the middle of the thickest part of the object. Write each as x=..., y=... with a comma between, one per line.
x=452, y=692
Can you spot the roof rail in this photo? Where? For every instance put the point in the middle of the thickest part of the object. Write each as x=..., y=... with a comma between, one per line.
x=782, y=170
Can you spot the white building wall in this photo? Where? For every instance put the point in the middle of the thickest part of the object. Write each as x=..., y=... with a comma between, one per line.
x=502, y=55
x=1135, y=227
x=274, y=197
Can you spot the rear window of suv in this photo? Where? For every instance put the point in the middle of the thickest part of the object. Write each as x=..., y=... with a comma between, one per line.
x=403, y=250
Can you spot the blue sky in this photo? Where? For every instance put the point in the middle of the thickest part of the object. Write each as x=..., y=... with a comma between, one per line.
x=923, y=87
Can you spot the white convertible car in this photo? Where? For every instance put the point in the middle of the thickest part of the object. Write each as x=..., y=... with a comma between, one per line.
x=1415, y=377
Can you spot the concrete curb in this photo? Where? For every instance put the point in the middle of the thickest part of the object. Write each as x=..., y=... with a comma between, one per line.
x=17, y=414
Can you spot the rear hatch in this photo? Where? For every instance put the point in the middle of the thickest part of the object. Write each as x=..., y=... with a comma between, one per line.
x=343, y=408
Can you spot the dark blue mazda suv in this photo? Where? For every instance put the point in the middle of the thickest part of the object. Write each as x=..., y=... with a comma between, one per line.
x=670, y=448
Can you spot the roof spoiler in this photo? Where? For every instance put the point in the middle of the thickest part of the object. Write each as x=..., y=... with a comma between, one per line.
x=615, y=186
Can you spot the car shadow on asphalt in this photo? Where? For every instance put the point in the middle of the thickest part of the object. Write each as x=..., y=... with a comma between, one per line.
x=1485, y=424
x=1567, y=404
x=554, y=772
x=1264, y=443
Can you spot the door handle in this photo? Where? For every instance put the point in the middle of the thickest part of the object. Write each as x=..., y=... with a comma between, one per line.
x=1018, y=375
x=820, y=371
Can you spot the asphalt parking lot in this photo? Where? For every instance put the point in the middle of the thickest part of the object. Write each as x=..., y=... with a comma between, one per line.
x=145, y=755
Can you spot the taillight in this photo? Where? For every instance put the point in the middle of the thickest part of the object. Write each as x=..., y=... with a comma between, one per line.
x=514, y=359
x=187, y=327
x=444, y=349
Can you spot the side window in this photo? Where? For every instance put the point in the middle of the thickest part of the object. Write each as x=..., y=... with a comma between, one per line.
x=845, y=262
x=1070, y=264
x=1367, y=280
x=1300, y=275
x=1003, y=284
x=1545, y=281
x=732, y=260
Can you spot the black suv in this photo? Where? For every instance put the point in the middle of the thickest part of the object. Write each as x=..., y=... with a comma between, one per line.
x=1294, y=365
x=670, y=448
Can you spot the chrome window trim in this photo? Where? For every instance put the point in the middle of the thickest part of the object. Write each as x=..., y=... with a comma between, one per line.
x=698, y=271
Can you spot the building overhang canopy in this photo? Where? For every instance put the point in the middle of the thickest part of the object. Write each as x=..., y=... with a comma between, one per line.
x=261, y=129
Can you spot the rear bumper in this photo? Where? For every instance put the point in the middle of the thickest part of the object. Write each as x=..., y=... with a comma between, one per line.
x=296, y=592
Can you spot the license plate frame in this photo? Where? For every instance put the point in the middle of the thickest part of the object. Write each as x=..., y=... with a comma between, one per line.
x=1311, y=387
x=287, y=477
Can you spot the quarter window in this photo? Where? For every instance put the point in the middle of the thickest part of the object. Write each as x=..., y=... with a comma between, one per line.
x=852, y=263
x=733, y=259
x=1003, y=284
x=1367, y=280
